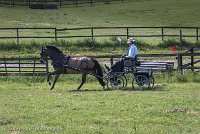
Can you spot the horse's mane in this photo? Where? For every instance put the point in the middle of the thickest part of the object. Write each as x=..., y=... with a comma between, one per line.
x=54, y=48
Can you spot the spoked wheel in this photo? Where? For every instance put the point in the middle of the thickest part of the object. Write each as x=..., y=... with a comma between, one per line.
x=140, y=82
x=114, y=83
x=151, y=80
x=125, y=80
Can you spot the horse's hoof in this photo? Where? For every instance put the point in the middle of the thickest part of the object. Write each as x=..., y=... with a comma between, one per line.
x=49, y=83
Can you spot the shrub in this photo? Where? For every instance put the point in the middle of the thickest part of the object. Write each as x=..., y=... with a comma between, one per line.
x=179, y=44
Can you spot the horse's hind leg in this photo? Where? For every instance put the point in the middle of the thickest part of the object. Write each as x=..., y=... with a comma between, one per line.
x=101, y=81
x=54, y=82
x=83, y=80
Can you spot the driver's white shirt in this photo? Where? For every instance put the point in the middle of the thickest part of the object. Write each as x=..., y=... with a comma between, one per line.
x=132, y=51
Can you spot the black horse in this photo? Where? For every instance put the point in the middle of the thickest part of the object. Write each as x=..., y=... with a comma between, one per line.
x=70, y=65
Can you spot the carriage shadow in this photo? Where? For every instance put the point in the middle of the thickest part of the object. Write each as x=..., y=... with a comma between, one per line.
x=157, y=87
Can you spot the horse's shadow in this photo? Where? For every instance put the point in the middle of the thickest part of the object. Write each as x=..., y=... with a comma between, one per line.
x=90, y=90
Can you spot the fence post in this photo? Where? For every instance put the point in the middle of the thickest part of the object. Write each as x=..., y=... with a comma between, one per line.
x=111, y=60
x=55, y=31
x=60, y=3
x=17, y=36
x=92, y=33
x=162, y=33
x=19, y=66
x=197, y=31
x=13, y=3
x=192, y=59
x=180, y=63
x=181, y=36
x=34, y=66
x=127, y=32
x=45, y=3
x=91, y=2
x=5, y=65
x=29, y=3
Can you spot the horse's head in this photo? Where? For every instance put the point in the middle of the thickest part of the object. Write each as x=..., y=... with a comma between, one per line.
x=43, y=55
x=50, y=51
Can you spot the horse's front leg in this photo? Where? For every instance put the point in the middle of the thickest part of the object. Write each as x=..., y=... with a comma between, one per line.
x=48, y=77
x=54, y=82
x=83, y=80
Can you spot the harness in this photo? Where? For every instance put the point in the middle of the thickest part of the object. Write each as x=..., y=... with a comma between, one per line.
x=81, y=64
x=60, y=61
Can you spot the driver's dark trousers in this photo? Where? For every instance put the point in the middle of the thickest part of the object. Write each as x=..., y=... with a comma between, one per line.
x=118, y=66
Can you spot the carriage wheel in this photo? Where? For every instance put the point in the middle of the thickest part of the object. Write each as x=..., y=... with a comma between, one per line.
x=151, y=80
x=125, y=80
x=140, y=82
x=116, y=83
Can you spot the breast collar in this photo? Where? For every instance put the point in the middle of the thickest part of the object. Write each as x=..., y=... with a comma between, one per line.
x=60, y=61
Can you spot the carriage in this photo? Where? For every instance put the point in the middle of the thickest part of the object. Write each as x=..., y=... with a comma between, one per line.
x=86, y=65
x=140, y=77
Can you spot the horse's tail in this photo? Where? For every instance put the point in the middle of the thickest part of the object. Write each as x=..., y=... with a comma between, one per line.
x=99, y=71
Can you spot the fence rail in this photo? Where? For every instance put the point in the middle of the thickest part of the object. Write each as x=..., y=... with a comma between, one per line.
x=99, y=32
x=59, y=2
x=191, y=54
x=32, y=66
x=22, y=66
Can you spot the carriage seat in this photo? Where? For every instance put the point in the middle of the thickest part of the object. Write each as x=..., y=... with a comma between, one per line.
x=129, y=65
x=131, y=62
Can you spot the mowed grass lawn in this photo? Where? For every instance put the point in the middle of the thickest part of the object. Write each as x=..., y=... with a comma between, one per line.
x=28, y=106
x=143, y=13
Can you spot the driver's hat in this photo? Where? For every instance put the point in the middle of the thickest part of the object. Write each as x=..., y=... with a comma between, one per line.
x=130, y=40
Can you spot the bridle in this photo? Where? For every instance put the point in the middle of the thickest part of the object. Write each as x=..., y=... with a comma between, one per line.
x=42, y=55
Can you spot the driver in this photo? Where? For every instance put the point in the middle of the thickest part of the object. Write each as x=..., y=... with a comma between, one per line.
x=131, y=53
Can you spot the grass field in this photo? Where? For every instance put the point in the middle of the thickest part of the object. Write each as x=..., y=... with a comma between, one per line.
x=28, y=106
x=144, y=13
